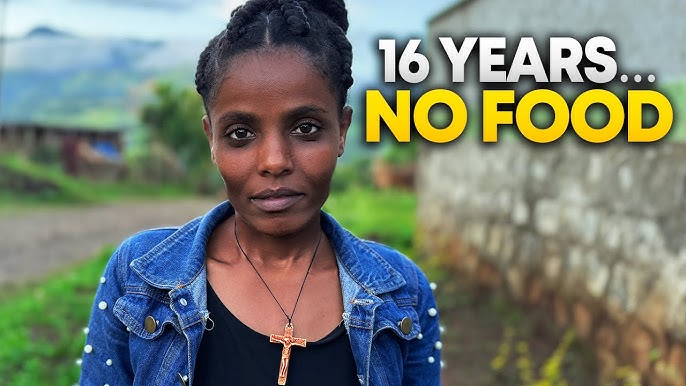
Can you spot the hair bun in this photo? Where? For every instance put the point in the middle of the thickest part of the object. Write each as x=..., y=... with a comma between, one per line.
x=334, y=9
x=295, y=16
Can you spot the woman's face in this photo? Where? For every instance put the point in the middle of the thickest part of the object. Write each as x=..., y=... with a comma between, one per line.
x=275, y=133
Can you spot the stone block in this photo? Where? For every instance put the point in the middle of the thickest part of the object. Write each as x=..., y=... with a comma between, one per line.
x=676, y=359
x=520, y=213
x=560, y=312
x=468, y=263
x=626, y=178
x=507, y=249
x=572, y=279
x=583, y=319
x=609, y=232
x=529, y=251
x=597, y=274
x=535, y=291
x=488, y=275
x=595, y=169
x=495, y=241
x=607, y=364
x=539, y=170
x=652, y=310
x=589, y=231
x=629, y=285
x=606, y=336
x=515, y=282
x=476, y=234
x=547, y=217
x=552, y=268
x=636, y=345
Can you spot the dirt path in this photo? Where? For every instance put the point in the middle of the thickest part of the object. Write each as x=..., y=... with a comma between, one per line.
x=35, y=243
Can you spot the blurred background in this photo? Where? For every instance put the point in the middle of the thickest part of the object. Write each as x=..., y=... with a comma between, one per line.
x=558, y=264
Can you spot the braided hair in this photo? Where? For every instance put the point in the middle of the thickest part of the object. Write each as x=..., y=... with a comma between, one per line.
x=318, y=27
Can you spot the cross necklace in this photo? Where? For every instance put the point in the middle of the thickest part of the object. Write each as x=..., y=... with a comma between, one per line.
x=287, y=339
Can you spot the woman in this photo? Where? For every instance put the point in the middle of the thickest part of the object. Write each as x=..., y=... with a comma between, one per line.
x=266, y=288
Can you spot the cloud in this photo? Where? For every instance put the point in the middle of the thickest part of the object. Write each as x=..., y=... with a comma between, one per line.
x=230, y=5
x=173, y=5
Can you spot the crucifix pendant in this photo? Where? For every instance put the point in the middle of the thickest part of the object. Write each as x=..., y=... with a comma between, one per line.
x=287, y=340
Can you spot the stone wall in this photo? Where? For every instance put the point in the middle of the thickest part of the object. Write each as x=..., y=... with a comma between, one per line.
x=594, y=234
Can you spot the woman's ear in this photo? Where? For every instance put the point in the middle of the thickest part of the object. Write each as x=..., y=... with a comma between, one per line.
x=207, y=127
x=346, y=119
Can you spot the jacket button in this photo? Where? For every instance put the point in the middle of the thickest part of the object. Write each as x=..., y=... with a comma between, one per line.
x=183, y=379
x=150, y=324
x=405, y=325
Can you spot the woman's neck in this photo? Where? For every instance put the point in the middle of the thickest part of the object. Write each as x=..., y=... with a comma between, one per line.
x=276, y=252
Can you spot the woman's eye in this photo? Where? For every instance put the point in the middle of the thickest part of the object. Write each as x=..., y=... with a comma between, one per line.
x=306, y=128
x=241, y=134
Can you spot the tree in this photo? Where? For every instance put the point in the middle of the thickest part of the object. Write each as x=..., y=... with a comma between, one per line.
x=174, y=117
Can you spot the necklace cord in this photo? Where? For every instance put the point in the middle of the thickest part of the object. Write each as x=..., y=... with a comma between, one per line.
x=289, y=318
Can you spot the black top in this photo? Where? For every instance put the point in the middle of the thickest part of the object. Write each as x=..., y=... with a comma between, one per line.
x=236, y=355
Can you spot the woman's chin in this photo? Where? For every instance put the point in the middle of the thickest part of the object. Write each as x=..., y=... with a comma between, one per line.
x=282, y=224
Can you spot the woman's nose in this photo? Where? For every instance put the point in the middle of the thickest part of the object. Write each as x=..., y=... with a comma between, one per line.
x=275, y=156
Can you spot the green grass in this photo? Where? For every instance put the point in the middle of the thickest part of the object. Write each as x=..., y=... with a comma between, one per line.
x=41, y=324
x=57, y=188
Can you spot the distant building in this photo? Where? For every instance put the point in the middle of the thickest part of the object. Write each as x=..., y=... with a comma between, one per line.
x=93, y=153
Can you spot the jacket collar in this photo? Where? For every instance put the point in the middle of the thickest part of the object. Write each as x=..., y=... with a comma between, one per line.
x=163, y=266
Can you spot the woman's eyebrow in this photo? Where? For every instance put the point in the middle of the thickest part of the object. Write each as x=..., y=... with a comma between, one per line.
x=299, y=112
x=236, y=116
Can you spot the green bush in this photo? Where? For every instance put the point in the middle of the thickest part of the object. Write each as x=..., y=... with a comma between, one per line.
x=396, y=153
x=387, y=216
x=353, y=174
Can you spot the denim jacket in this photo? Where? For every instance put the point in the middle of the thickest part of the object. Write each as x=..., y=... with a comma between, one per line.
x=150, y=310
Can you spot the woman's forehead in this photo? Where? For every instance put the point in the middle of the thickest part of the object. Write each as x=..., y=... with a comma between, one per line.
x=271, y=78
x=269, y=54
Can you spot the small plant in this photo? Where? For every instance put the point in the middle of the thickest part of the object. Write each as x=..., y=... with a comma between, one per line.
x=550, y=373
x=628, y=376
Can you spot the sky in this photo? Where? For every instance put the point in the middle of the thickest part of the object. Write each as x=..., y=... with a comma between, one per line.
x=189, y=20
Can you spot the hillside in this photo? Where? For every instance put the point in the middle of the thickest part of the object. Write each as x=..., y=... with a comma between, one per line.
x=55, y=77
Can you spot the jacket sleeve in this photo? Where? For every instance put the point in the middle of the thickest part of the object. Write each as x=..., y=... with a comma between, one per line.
x=423, y=362
x=106, y=352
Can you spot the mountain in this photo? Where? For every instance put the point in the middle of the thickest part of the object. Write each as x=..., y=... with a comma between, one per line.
x=56, y=77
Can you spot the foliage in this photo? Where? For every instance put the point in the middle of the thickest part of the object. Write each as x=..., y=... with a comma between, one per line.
x=352, y=174
x=387, y=216
x=174, y=117
x=41, y=326
x=396, y=153
x=676, y=93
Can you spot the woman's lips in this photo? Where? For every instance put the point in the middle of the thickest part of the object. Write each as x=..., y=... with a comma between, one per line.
x=276, y=200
